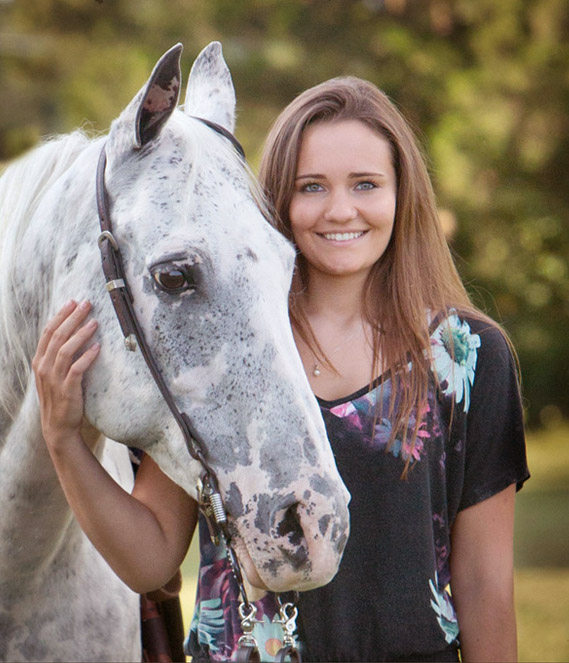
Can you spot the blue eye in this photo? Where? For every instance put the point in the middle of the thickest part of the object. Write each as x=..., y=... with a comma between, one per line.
x=365, y=186
x=313, y=187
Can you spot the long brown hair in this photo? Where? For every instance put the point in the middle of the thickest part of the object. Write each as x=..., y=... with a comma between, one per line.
x=415, y=277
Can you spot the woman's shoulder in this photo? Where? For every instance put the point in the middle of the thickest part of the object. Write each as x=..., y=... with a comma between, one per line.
x=465, y=344
x=467, y=326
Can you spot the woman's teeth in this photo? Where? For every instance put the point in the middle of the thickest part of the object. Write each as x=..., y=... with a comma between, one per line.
x=342, y=237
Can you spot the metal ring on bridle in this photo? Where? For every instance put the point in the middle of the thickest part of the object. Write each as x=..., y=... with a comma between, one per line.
x=108, y=235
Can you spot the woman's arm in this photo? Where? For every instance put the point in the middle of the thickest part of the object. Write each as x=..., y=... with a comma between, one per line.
x=482, y=578
x=144, y=536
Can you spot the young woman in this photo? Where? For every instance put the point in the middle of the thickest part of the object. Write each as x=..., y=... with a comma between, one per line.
x=418, y=390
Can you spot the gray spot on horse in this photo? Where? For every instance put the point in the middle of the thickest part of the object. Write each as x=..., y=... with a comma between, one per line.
x=233, y=501
x=320, y=485
x=309, y=451
x=287, y=467
x=323, y=524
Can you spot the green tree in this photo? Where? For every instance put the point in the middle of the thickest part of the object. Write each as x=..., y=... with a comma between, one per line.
x=485, y=83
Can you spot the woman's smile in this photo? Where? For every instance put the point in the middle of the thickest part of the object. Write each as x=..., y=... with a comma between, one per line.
x=342, y=237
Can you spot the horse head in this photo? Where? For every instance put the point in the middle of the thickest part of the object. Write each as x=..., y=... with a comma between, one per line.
x=209, y=277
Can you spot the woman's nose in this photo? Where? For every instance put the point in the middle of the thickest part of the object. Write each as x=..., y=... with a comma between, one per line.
x=340, y=207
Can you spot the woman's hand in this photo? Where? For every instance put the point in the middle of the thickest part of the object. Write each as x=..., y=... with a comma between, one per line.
x=59, y=364
x=144, y=536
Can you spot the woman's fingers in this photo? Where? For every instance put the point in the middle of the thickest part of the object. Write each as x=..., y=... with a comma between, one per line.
x=63, y=337
x=65, y=351
x=81, y=364
x=52, y=325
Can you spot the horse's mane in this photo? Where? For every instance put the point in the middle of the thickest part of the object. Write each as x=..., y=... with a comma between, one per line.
x=22, y=186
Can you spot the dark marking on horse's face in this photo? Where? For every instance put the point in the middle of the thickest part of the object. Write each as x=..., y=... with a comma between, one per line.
x=339, y=538
x=272, y=510
x=251, y=254
x=320, y=485
x=271, y=457
x=297, y=556
x=323, y=524
x=233, y=501
x=309, y=451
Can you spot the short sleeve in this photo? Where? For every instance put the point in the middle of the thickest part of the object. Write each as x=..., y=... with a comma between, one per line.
x=495, y=451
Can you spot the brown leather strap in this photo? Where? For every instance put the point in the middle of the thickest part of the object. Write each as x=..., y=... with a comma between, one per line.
x=169, y=591
x=155, y=643
x=122, y=300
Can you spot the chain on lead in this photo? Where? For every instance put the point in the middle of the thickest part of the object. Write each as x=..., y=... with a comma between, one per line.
x=288, y=612
x=211, y=505
x=247, y=647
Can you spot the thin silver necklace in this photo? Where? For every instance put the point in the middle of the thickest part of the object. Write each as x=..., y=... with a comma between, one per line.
x=316, y=368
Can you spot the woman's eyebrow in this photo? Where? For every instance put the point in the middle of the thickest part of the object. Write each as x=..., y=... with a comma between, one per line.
x=321, y=176
x=310, y=176
x=367, y=174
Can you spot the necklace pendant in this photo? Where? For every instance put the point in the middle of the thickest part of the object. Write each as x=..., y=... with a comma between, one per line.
x=316, y=371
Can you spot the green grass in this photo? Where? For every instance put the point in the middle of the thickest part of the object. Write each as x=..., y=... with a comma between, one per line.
x=541, y=553
x=542, y=550
x=542, y=608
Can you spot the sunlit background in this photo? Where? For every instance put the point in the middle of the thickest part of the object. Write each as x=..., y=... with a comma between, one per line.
x=485, y=83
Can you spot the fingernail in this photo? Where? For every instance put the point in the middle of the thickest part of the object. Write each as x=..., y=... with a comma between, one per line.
x=69, y=304
x=84, y=305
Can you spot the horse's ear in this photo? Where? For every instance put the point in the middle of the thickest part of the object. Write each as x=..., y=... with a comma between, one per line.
x=159, y=97
x=144, y=117
x=210, y=92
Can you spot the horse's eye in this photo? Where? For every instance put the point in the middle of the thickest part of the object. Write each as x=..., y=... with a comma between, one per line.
x=172, y=280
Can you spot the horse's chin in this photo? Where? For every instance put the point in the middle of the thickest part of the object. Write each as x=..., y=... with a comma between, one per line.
x=254, y=584
x=257, y=586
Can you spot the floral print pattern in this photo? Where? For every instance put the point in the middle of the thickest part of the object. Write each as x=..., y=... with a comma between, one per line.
x=360, y=411
x=360, y=430
x=216, y=628
x=442, y=605
x=455, y=350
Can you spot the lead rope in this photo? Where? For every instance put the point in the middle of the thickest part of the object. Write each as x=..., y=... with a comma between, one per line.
x=211, y=506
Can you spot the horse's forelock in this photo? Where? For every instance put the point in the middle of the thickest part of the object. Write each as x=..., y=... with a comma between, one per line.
x=207, y=137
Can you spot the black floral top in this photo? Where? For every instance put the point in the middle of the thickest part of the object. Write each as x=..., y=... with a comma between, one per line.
x=391, y=598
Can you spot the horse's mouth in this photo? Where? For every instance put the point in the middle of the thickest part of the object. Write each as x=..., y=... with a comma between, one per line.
x=250, y=572
x=288, y=559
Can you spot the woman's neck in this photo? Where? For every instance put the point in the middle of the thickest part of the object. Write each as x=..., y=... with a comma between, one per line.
x=340, y=300
x=339, y=357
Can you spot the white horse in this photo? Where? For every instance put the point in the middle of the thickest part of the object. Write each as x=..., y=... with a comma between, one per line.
x=210, y=277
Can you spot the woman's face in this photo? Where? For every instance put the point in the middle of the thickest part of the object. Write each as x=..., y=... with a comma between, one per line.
x=343, y=205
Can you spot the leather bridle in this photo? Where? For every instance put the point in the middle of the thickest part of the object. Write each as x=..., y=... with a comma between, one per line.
x=210, y=501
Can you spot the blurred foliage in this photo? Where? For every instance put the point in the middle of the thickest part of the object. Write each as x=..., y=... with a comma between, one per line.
x=486, y=84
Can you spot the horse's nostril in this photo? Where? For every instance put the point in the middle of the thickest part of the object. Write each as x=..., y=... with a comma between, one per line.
x=290, y=526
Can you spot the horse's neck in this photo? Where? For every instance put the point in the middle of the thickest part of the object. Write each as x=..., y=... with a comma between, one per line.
x=37, y=523
x=34, y=510
x=33, y=230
